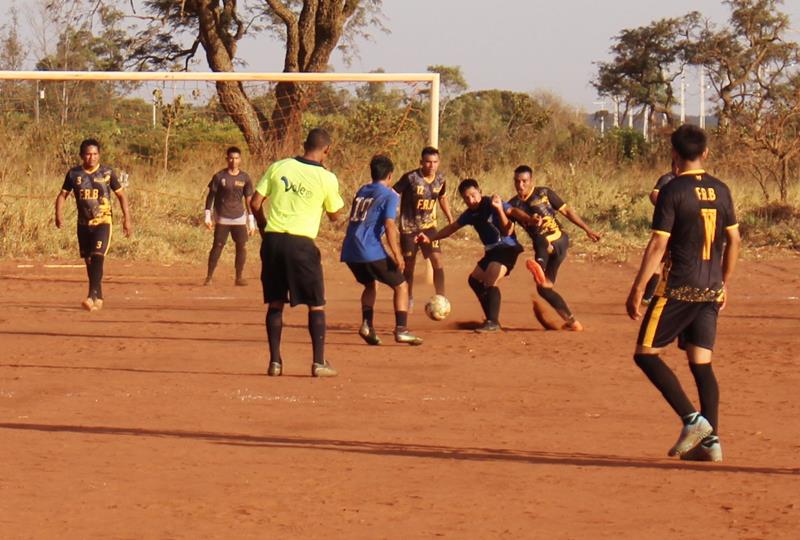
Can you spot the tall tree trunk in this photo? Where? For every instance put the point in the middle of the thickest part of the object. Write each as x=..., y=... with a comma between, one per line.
x=247, y=118
x=285, y=135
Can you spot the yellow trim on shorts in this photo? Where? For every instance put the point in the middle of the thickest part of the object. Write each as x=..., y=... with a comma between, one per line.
x=662, y=233
x=652, y=324
x=734, y=226
x=110, y=231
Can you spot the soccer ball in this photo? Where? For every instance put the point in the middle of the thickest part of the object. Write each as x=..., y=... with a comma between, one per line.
x=437, y=308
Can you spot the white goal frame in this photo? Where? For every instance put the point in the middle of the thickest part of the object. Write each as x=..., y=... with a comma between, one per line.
x=431, y=78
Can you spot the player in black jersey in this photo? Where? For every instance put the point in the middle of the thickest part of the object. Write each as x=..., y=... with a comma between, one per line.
x=695, y=222
x=420, y=190
x=92, y=185
x=229, y=192
x=537, y=208
x=662, y=181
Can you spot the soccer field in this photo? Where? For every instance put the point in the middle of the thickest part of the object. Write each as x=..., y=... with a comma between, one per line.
x=154, y=418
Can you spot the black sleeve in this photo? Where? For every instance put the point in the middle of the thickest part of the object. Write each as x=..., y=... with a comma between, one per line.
x=67, y=185
x=401, y=185
x=248, y=186
x=730, y=210
x=662, y=181
x=555, y=201
x=114, y=182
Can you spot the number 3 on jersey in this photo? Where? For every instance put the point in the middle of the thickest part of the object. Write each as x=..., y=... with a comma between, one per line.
x=361, y=206
x=710, y=222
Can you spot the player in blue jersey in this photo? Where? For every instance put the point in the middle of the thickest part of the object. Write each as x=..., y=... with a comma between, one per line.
x=496, y=232
x=373, y=214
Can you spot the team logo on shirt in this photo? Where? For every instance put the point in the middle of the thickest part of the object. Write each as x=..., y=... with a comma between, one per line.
x=78, y=180
x=222, y=181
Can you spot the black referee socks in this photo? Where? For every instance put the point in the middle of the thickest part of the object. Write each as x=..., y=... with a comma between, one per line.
x=274, y=329
x=316, y=329
x=665, y=380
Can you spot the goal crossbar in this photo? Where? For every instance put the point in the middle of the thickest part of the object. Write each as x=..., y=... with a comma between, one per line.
x=431, y=78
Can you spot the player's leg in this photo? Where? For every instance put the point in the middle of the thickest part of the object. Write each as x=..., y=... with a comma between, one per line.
x=433, y=252
x=547, y=290
x=366, y=330
x=307, y=286
x=101, y=239
x=409, y=247
x=495, y=271
x=85, y=249
x=664, y=320
x=239, y=235
x=276, y=289
x=698, y=341
x=386, y=272
x=220, y=238
x=475, y=281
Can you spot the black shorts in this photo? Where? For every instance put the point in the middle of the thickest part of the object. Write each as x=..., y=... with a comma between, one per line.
x=505, y=255
x=94, y=239
x=237, y=232
x=550, y=255
x=383, y=270
x=408, y=243
x=291, y=269
x=693, y=323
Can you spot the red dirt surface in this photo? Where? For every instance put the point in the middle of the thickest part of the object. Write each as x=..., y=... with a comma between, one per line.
x=154, y=419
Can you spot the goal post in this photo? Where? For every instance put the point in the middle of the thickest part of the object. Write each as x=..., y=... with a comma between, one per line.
x=433, y=79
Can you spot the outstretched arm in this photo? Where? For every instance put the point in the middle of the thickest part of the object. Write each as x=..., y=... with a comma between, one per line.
x=443, y=233
x=576, y=219
x=445, y=204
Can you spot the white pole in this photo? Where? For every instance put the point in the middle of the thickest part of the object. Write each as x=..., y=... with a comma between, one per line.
x=702, y=97
x=616, y=112
x=683, y=98
x=630, y=117
x=645, y=122
x=434, y=120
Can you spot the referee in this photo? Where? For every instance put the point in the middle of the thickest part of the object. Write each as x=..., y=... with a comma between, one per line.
x=298, y=189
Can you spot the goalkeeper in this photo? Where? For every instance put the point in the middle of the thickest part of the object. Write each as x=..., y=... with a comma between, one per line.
x=228, y=191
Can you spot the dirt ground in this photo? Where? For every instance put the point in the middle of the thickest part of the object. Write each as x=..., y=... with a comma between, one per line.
x=154, y=417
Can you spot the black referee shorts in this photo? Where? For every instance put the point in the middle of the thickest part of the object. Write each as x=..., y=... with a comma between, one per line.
x=383, y=270
x=94, y=239
x=503, y=254
x=693, y=323
x=291, y=270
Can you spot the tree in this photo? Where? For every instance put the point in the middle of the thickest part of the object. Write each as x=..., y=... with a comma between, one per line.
x=645, y=63
x=452, y=84
x=12, y=56
x=736, y=56
x=310, y=30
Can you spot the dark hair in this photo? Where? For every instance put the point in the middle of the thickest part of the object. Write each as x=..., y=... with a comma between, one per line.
x=429, y=151
x=466, y=184
x=380, y=167
x=86, y=143
x=317, y=139
x=522, y=169
x=689, y=142
x=233, y=150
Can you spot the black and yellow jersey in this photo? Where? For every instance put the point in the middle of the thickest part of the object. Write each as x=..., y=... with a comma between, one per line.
x=227, y=192
x=92, y=191
x=546, y=203
x=694, y=210
x=418, y=199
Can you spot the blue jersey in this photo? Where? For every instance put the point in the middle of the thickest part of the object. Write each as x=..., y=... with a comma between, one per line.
x=487, y=223
x=372, y=206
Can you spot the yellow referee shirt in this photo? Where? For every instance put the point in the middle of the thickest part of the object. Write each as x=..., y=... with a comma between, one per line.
x=298, y=190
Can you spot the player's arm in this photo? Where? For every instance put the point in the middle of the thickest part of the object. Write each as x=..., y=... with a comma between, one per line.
x=393, y=239
x=333, y=200
x=444, y=204
x=61, y=198
x=650, y=261
x=127, y=225
x=576, y=219
x=209, y=202
x=506, y=225
x=256, y=206
x=654, y=196
x=527, y=220
x=423, y=238
x=729, y=257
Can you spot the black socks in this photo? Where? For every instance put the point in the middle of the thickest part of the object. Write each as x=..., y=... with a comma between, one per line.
x=493, y=304
x=401, y=319
x=367, y=314
x=480, y=291
x=667, y=383
x=316, y=329
x=241, y=258
x=554, y=299
x=274, y=329
x=709, y=393
x=95, y=271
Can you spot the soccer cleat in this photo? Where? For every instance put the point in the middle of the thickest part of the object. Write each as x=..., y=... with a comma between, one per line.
x=207, y=281
x=708, y=450
x=692, y=432
x=98, y=304
x=240, y=282
x=323, y=370
x=573, y=326
x=368, y=334
x=275, y=369
x=488, y=327
x=536, y=269
x=405, y=336
x=88, y=304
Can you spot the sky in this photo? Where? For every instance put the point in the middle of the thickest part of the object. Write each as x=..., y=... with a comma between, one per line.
x=522, y=45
